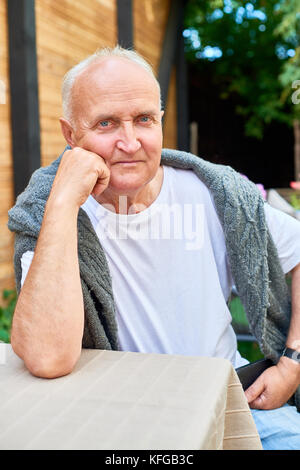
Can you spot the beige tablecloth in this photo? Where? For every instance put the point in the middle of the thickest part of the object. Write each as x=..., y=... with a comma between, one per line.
x=115, y=401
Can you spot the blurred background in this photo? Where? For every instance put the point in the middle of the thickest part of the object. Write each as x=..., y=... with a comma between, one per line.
x=244, y=60
x=230, y=78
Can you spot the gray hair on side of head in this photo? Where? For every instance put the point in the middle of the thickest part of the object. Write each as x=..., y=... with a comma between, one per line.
x=74, y=72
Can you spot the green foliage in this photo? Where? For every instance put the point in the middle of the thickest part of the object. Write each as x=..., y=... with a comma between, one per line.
x=290, y=18
x=295, y=201
x=248, y=349
x=237, y=312
x=289, y=29
x=6, y=314
x=258, y=58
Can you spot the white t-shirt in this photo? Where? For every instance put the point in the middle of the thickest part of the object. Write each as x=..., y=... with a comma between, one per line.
x=170, y=272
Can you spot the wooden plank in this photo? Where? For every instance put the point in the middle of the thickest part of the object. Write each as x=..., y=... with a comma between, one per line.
x=6, y=274
x=170, y=128
x=6, y=245
x=6, y=164
x=71, y=34
x=83, y=14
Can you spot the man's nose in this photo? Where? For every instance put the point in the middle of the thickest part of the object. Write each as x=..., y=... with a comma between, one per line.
x=128, y=141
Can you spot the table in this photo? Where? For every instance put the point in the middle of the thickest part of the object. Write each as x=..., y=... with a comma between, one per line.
x=125, y=401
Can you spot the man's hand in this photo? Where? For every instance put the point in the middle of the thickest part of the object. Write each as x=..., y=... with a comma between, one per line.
x=275, y=385
x=80, y=174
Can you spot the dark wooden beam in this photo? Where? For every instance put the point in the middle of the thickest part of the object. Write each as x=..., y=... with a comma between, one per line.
x=173, y=55
x=23, y=91
x=182, y=98
x=125, y=23
x=167, y=59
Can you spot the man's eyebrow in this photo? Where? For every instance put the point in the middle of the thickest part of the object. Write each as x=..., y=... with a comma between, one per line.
x=104, y=117
x=115, y=117
x=150, y=112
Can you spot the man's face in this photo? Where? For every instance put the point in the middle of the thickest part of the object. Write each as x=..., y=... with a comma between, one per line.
x=116, y=114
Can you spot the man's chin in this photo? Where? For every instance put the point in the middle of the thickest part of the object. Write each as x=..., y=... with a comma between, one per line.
x=125, y=189
x=128, y=183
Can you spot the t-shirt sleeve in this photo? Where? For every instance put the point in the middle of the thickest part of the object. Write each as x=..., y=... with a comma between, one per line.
x=25, y=264
x=285, y=231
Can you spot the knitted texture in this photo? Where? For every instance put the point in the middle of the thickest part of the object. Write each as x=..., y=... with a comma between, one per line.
x=252, y=254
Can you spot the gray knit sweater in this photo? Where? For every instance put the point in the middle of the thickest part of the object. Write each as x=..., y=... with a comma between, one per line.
x=252, y=255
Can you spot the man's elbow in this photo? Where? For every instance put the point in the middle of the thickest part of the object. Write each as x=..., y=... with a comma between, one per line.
x=50, y=369
x=47, y=367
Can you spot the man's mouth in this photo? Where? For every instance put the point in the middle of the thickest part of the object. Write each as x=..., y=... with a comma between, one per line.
x=128, y=163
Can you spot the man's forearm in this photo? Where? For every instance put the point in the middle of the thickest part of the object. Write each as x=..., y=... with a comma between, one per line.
x=49, y=316
x=293, y=340
x=276, y=385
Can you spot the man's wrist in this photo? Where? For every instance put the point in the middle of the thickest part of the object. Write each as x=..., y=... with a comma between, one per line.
x=291, y=365
x=291, y=353
x=61, y=203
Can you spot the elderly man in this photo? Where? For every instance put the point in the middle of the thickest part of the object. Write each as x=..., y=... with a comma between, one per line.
x=122, y=245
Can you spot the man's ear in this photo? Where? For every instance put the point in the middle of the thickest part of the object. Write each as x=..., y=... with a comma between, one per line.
x=67, y=131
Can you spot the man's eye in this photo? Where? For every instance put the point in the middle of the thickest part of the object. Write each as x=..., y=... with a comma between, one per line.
x=104, y=123
x=145, y=119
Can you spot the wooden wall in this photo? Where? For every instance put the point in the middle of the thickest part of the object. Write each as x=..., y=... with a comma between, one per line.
x=66, y=32
x=6, y=172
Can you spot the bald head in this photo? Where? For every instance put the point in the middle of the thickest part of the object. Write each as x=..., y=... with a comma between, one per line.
x=107, y=79
x=104, y=61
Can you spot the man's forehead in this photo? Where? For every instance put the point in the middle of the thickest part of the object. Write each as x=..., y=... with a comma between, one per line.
x=111, y=72
x=111, y=81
